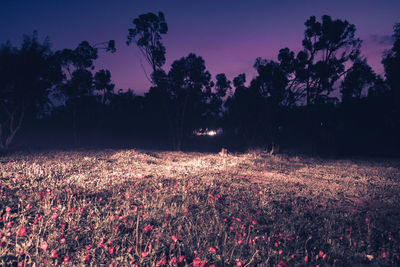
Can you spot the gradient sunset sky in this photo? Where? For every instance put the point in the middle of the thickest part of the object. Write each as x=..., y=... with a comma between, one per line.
x=229, y=35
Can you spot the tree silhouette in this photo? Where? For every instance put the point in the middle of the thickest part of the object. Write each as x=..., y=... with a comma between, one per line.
x=328, y=46
x=391, y=62
x=147, y=36
x=77, y=65
x=359, y=77
x=27, y=75
x=102, y=83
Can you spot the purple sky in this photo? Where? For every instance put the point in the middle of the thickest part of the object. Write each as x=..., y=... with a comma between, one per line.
x=228, y=34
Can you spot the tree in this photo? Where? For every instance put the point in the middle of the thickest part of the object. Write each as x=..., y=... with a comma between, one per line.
x=27, y=75
x=391, y=62
x=78, y=86
x=189, y=90
x=147, y=36
x=357, y=78
x=328, y=46
x=102, y=83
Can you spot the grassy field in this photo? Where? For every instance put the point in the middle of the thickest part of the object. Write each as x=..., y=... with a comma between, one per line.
x=141, y=208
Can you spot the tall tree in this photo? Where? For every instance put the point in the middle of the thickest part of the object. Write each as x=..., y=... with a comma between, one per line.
x=358, y=78
x=391, y=62
x=328, y=46
x=147, y=36
x=27, y=75
x=78, y=86
x=102, y=83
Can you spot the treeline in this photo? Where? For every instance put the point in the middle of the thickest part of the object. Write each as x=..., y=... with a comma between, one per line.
x=325, y=99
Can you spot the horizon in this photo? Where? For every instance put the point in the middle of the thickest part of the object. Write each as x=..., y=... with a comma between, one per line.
x=228, y=35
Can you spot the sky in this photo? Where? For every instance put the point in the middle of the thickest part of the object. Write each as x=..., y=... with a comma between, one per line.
x=228, y=34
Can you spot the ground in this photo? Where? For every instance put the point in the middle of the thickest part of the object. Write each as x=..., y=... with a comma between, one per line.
x=153, y=208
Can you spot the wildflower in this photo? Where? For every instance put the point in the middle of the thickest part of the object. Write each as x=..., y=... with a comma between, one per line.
x=174, y=238
x=44, y=246
x=54, y=216
x=197, y=262
x=282, y=263
x=172, y=261
x=212, y=250
x=240, y=241
x=144, y=254
x=280, y=251
x=28, y=207
x=239, y=263
x=62, y=240
x=22, y=231
x=147, y=228
x=181, y=258
x=10, y=224
x=54, y=254
x=384, y=255
x=111, y=250
x=8, y=209
x=306, y=258
x=67, y=259
x=54, y=208
x=88, y=257
x=161, y=262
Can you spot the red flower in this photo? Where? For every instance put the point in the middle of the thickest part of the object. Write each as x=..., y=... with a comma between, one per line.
x=88, y=257
x=22, y=231
x=111, y=250
x=197, y=262
x=174, y=238
x=44, y=246
x=144, y=254
x=67, y=259
x=306, y=258
x=212, y=250
x=54, y=254
x=239, y=263
x=282, y=263
x=147, y=228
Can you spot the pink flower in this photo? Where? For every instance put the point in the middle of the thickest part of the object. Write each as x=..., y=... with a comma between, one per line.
x=111, y=250
x=22, y=231
x=306, y=258
x=28, y=207
x=282, y=263
x=147, y=228
x=54, y=208
x=54, y=216
x=174, y=238
x=239, y=263
x=384, y=255
x=62, y=240
x=54, y=254
x=8, y=209
x=88, y=257
x=67, y=259
x=44, y=246
x=212, y=250
x=197, y=262
x=144, y=254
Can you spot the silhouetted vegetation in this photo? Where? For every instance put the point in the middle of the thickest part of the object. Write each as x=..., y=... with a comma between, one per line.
x=324, y=99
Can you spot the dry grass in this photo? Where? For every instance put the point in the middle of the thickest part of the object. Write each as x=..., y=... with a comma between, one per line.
x=174, y=208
